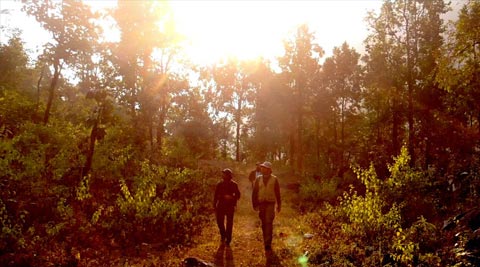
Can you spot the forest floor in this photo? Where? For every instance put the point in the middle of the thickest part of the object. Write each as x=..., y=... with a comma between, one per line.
x=246, y=249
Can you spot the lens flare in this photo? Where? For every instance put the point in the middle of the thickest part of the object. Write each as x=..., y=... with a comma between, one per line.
x=303, y=260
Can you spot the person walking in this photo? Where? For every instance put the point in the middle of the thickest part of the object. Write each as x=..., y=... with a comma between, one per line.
x=224, y=202
x=255, y=173
x=266, y=193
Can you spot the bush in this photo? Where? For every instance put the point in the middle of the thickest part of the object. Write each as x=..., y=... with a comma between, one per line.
x=369, y=219
x=168, y=202
x=316, y=192
x=369, y=229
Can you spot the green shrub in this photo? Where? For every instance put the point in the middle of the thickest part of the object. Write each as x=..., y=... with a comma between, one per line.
x=83, y=189
x=416, y=243
x=315, y=192
x=114, y=158
x=41, y=152
x=411, y=188
x=11, y=236
x=364, y=228
x=370, y=217
x=167, y=202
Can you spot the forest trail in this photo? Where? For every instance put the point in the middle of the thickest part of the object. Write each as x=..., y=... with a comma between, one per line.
x=246, y=248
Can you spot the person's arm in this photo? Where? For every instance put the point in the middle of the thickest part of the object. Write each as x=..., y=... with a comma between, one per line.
x=237, y=192
x=252, y=175
x=255, y=195
x=216, y=196
x=277, y=195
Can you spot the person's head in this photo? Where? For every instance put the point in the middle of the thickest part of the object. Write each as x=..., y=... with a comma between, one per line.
x=266, y=168
x=227, y=174
x=258, y=166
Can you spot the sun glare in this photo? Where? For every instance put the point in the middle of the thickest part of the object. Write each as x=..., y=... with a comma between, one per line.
x=248, y=29
x=251, y=29
x=220, y=29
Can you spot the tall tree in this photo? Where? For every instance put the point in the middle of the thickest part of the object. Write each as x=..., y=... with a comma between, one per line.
x=300, y=65
x=341, y=77
x=71, y=25
x=144, y=57
x=14, y=63
x=459, y=76
x=404, y=36
x=190, y=123
x=16, y=96
x=234, y=92
x=266, y=122
x=460, y=72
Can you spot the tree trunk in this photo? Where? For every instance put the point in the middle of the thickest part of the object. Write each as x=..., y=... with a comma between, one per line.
x=411, y=130
x=39, y=83
x=300, y=142
x=395, y=125
x=409, y=49
x=51, y=92
x=91, y=145
x=342, y=135
x=91, y=149
x=293, y=155
x=150, y=138
x=317, y=143
x=160, y=129
x=225, y=136
x=238, y=120
x=300, y=103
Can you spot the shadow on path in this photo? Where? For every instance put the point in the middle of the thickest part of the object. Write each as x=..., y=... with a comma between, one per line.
x=224, y=256
x=272, y=259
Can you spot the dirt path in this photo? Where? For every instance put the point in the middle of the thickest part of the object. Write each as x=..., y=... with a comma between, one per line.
x=246, y=248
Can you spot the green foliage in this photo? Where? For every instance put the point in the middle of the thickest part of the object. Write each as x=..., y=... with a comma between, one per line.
x=417, y=241
x=96, y=215
x=83, y=189
x=41, y=150
x=24, y=153
x=9, y=156
x=54, y=229
x=15, y=109
x=64, y=210
x=411, y=188
x=144, y=203
x=369, y=225
x=315, y=192
x=13, y=57
x=178, y=153
x=11, y=235
x=370, y=215
x=160, y=199
x=116, y=154
x=66, y=153
x=402, y=175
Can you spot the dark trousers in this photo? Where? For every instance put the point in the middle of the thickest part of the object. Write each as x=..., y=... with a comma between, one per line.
x=221, y=214
x=267, y=214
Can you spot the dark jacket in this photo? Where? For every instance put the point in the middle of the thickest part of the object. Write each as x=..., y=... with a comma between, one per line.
x=226, y=194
